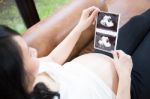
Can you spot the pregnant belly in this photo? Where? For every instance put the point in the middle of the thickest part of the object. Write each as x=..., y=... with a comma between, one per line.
x=102, y=66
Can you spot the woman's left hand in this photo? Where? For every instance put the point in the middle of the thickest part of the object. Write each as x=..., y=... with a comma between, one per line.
x=88, y=17
x=123, y=64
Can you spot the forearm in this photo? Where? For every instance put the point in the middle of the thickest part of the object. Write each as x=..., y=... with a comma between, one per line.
x=63, y=50
x=124, y=88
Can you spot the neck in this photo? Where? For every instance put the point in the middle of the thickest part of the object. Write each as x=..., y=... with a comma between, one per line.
x=30, y=83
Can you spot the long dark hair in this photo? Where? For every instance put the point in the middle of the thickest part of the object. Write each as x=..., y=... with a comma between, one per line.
x=40, y=91
x=12, y=72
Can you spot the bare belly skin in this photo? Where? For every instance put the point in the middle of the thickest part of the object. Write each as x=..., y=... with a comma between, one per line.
x=102, y=66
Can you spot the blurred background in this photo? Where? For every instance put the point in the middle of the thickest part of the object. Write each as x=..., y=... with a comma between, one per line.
x=12, y=16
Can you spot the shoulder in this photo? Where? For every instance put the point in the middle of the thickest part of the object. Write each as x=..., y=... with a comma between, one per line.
x=48, y=62
x=49, y=72
x=45, y=73
x=45, y=59
x=47, y=80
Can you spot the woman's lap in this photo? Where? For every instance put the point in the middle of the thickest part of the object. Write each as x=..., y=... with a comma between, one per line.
x=132, y=33
x=134, y=39
x=141, y=69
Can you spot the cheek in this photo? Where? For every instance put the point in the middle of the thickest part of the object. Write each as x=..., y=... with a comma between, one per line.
x=32, y=67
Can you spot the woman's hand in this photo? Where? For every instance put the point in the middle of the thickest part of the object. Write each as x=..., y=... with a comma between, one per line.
x=123, y=64
x=88, y=17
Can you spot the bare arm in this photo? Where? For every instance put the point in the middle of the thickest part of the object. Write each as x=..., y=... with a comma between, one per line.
x=63, y=50
x=123, y=65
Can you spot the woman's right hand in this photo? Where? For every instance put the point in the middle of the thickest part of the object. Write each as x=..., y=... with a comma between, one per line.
x=123, y=63
x=88, y=17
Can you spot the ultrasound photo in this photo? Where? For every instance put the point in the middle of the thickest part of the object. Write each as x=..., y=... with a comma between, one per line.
x=108, y=21
x=106, y=31
x=105, y=42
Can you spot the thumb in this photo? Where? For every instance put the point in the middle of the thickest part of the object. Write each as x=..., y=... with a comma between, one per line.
x=115, y=55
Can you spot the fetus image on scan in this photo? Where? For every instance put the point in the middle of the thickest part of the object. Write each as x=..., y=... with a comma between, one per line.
x=104, y=41
x=107, y=21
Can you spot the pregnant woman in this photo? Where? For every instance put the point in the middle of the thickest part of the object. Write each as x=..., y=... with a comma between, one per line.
x=90, y=76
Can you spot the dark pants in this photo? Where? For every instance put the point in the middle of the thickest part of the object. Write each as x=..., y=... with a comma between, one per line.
x=134, y=39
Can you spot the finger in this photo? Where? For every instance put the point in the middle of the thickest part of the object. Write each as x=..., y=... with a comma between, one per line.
x=91, y=9
x=129, y=57
x=120, y=53
x=94, y=22
x=115, y=56
x=94, y=15
x=88, y=11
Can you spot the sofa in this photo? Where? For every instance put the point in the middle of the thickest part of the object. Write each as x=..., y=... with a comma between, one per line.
x=48, y=33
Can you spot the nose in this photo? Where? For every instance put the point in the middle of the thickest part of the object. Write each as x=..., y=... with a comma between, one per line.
x=34, y=52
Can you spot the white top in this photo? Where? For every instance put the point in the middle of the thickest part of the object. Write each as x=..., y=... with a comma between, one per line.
x=76, y=82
